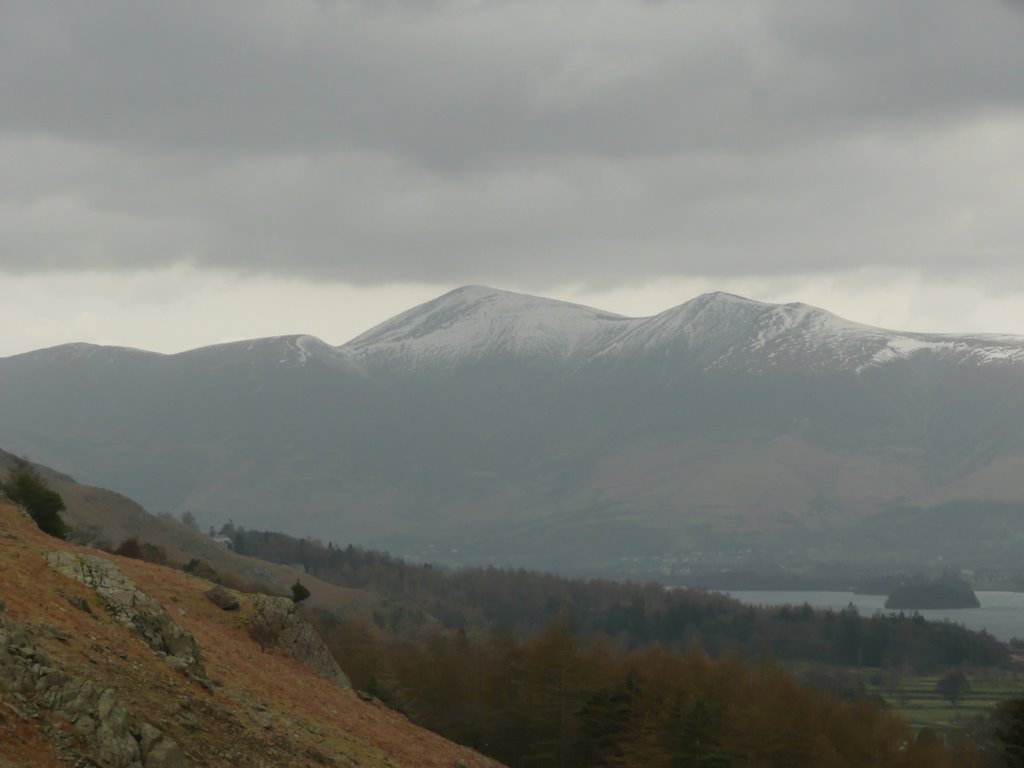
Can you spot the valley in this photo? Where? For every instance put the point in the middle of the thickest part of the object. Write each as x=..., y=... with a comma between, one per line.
x=526, y=668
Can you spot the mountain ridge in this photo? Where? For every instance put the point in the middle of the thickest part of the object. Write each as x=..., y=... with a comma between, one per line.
x=496, y=312
x=694, y=320
x=501, y=422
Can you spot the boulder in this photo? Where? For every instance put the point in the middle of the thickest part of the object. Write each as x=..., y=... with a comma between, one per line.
x=223, y=598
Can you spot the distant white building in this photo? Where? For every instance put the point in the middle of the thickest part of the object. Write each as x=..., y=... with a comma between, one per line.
x=224, y=541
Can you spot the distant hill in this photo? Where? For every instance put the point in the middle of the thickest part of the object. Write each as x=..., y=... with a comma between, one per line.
x=493, y=426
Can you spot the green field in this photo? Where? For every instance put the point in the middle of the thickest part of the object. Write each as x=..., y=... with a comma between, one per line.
x=917, y=699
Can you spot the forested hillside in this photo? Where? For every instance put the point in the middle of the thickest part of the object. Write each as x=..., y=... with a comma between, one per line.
x=540, y=670
x=557, y=700
x=634, y=615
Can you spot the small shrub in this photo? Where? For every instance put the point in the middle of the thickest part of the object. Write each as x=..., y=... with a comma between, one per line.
x=299, y=592
x=151, y=553
x=130, y=548
x=202, y=569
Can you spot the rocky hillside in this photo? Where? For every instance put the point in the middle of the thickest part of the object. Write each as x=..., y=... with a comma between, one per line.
x=116, y=662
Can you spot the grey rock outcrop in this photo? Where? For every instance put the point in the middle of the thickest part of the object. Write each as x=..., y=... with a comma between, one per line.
x=109, y=733
x=132, y=607
x=278, y=625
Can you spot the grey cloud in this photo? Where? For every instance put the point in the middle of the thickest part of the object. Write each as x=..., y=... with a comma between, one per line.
x=447, y=83
x=480, y=141
x=369, y=218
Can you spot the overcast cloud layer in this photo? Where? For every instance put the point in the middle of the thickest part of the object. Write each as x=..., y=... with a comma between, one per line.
x=548, y=145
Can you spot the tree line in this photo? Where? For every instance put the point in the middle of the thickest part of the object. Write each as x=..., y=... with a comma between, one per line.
x=635, y=615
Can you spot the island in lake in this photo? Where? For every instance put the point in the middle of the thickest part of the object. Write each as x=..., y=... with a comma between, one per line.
x=942, y=594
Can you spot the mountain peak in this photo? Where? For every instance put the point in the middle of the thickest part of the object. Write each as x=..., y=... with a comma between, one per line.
x=475, y=321
x=731, y=302
x=732, y=311
x=474, y=292
x=724, y=298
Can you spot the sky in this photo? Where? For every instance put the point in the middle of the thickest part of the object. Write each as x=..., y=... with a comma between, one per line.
x=180, y=174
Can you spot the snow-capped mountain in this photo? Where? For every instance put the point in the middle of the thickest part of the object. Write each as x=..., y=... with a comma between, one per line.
x=720, y=330
x=513, y=425
x=475, y=322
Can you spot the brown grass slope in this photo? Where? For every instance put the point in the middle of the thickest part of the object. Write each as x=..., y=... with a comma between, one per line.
x=263, y=709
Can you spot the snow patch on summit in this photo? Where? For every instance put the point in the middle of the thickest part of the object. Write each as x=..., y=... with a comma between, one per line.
x=475, y=321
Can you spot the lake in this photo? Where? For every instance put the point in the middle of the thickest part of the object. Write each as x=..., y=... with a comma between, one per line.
x=1001, y=613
